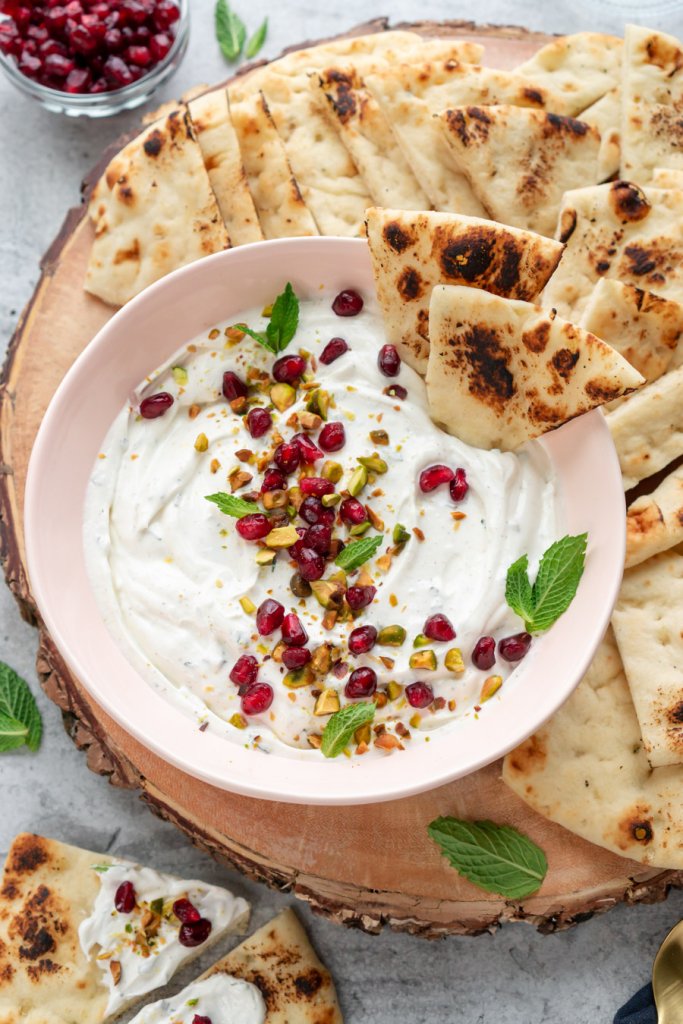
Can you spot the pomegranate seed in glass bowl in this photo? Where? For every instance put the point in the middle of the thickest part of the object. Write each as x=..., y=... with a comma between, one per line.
x=84, y=67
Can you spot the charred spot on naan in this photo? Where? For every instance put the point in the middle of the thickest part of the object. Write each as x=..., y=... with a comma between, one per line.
x=628, y=202
x=470, y=125
x=481, y=354
x=410, y=285
x=564, y=361
x=342, y=95
x=529, y=756
x=662, y=53
x=635, y=827
x=480, y=257
x=397, y=236
x=28, y=853
x=568, y=219
x=561, y=124
x=536, y=340
x=154, y=143
x=601, y=391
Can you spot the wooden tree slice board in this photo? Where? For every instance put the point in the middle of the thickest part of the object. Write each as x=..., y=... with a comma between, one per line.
x=363, y=866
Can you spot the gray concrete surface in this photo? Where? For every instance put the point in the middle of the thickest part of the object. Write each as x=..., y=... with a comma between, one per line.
x=513, y=977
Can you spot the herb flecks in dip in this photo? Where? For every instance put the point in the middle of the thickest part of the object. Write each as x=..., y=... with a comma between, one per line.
x=349, y=550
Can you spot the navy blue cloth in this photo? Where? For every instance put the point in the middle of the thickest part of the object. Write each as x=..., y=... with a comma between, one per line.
x=640, y=1009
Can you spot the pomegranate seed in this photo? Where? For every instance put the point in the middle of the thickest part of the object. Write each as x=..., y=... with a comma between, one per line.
x=288, y=369
x=360, y=597
x=52, y=46
x=513, y=648
x=313, y=511
x=134, y=12
x=165, y=14
x=362, y=639
x=273, y=480
x=353, y=511
x=309, y=451
x=419, y=695
x=37, y=32
x=125, y=898
x=257, y=699
x=55, y=18
x=332, y=437
x=311, y=564
x=316, y=485
x=254, y=527
x=10, y=41
x=160, y=44
x=139, y=55
x=347, y=303
x=30, y=65
x=82, y=40
x=233, y=387
x=78, y=80
x=201, y=1019
x=335, y=348
x=195, y=932
x=459, y=486
x=295, y=658
x=269, y=616
x=60, y=67
x=185, y=911
x=293, y=632
x=113, y=40
x=287, y=456
x=319, y=538
x=117, y=72
x=438, y=627
x=74, y=9
x=362, y=683
x=389, y=361
x=433, y=477
x=101, y=85
x=244, y=671
x=155, y=405
x=484, y=653
x=259, y=422
x=396, y=391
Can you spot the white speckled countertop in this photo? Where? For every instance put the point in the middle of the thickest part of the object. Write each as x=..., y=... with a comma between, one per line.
x=513, y=977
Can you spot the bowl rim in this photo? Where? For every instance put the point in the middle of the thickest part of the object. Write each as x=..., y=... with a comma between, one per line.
x=586, y=439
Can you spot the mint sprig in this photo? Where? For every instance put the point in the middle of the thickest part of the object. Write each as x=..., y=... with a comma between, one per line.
x=232, y=506
x=496, y=858
x=282, y=323
x=20, y=721
x=230, y=30
x=342, y=725
x=356, y=554
x=257, y=40
x=554, y=588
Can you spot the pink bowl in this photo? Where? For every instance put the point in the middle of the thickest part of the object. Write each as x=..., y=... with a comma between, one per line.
x=143, y=335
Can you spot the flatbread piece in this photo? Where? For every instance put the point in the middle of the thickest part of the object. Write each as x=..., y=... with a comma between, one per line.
x=648, y=429
x=605, y=116
x=581, y=68
x=654, y=522
x=502, y=371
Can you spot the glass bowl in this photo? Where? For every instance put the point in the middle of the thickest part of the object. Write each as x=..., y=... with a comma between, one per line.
x=105, y=104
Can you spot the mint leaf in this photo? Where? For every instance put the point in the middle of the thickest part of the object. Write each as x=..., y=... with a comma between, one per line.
x=518, y=590
x=232, y=506
x=284, y=319
x=257, y=40
x=13, y=734
x=18, y=703
x=230, y=30
x=356, y=554
x=261, y=338
x=557, y=580
x=342, y=725
x=100, y=868
x=497, y=858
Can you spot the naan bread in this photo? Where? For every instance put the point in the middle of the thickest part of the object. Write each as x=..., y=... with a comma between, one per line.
x=648, y=429
x=580, y=68
x=221, y=152
x=153, y=210
x=618, y=230
x=654, y=522
x=648, y=626
x=666, y=177
x=587, y=770
x=502, y=371
x=643, y=327
x=48, y=890
x=605, y=115
x=652, y=103
x=281, y=209
x=543, y=155
x=411, y=252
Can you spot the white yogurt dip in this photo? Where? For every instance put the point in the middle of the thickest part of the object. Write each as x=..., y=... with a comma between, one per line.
x=168, y=568
x=221, y=998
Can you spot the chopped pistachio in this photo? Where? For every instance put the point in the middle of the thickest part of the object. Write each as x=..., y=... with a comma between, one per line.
x=329, y=618
x=423, y=660
x=314, y=740
x=339, y=576
x=362, y=733
x=415, y=721
x=215, y=465
x=360, y=528
x=380, y=698
x=374, y=463
x=400, y=535
x=301, y=677
x=321, y=660
x=309, y=420
x=238, y=478
x=394, y=690
x=213, y=333
x=179, y=375
x=278, y=651
x=453, y=660
x=282, y=537
x=391, y=636
x=194, y=411
x=282, y=396
x=332, y=471
x=201, y=443
x=318, y=402
x=387, y=662
x=384, y=562
x=265, y=557
x=327, y=703
x=238, y=721
x=248, y=605
x=330, y=500
x=295, y=497
x=357, y=481
x=379, y=437
x=387, y=741
x=491, y=685
x=267, y=310
x=328, y=593
x=421, y=640
x=377, y=521
x=239, y=405
x=275, y=499
x=234, y=333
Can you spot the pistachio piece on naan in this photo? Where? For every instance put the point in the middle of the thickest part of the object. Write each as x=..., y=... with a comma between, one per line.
x=654, y=522
x=411, y=252
x=502, y=371
x=543, y=155
x=648, y=429
x=617, y=230
x=580, y=68
x=652, y=103
x=154, y=210
x=221, y=152
x=648, y=626
x=587, y=770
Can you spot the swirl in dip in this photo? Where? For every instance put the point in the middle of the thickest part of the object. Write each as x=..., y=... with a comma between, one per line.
x=179, y=586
